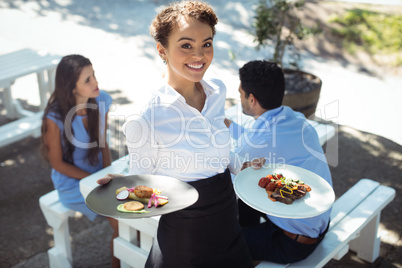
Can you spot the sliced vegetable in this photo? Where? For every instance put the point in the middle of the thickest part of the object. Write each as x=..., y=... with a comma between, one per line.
x=284, y=190
x=150, y=200
x=157, y=191
x=131, y=190
x=123, y=195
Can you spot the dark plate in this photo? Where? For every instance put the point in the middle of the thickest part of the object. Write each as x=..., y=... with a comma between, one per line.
x=102, y=200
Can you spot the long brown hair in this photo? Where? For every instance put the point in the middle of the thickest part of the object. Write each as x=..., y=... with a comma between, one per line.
x=62, y=101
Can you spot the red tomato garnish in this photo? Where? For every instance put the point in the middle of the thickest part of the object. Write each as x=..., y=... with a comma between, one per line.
x=263, y=182
x=271, y=186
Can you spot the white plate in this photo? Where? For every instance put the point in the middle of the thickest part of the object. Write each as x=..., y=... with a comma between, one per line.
x=314, y=203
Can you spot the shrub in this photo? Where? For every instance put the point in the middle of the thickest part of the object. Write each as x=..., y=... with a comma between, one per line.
x=277, y=22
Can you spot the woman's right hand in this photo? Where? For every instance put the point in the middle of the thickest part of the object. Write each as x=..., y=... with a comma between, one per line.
x=256, y=163
x=106, y=179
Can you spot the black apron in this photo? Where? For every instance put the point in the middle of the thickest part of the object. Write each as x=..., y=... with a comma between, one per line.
x=206, y=234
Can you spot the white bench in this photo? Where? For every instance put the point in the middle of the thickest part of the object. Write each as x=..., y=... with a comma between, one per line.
x=21, y=129
x=354, y=224
x=56, y=215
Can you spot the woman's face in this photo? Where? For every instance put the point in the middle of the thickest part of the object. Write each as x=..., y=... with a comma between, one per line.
x=86, y=86
x=189, y=52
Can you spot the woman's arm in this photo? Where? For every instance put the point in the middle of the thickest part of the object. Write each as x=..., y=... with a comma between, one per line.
x=55, y=153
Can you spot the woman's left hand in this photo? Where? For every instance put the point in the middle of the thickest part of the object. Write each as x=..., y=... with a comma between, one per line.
x=107, y=178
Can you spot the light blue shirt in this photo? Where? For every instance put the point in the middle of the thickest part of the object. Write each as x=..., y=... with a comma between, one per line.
x=283, y=136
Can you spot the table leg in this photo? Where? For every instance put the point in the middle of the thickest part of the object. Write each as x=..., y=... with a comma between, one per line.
x=128, y=233
x=8, y=102
x=43, y=89
x=51, y=74
x=367, y=245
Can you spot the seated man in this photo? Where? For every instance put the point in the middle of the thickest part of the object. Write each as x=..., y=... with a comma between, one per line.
x=281, y=136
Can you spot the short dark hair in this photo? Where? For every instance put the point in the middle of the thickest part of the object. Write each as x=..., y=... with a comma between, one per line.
x=265, y=80
x=168, y=18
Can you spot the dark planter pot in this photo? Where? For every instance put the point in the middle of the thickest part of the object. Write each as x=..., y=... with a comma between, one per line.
x=302, y=91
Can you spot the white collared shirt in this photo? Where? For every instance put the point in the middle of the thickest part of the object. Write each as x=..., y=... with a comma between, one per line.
x=171, y=138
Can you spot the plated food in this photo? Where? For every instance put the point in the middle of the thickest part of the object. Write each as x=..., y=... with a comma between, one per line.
x=142, y=194
x=314, y=203
x=103, y=199
x=282, y=189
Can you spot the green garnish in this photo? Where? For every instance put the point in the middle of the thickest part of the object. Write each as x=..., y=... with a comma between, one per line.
x=288, y=182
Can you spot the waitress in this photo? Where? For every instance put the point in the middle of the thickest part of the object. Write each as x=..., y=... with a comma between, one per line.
x=181, y=133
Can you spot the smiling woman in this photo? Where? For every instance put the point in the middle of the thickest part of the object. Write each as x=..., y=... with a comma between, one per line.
x=185, y=120
x=188, y=54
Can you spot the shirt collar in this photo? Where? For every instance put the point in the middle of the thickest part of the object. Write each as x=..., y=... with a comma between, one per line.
x=168, y=95
x=271, y=114
x=209, y=88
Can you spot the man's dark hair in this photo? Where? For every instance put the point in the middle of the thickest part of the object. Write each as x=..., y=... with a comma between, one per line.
x=265, y=80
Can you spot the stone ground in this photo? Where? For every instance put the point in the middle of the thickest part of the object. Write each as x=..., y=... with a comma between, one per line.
x=26, y=236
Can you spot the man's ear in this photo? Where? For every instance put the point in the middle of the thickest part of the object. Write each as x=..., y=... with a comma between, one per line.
x=252, y=100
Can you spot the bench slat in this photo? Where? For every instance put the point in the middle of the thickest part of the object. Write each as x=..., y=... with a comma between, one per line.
x=20, y=129
x=350, y=199
x=144, y=225
x=49, y=199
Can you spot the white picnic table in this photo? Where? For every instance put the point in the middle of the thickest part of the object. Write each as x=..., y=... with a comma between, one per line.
x=14, y=66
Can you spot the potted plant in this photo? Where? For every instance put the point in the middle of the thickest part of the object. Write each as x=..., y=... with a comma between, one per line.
x=277, y=24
